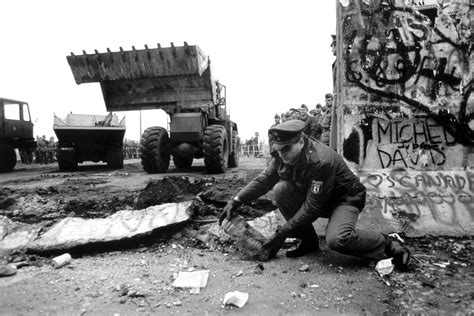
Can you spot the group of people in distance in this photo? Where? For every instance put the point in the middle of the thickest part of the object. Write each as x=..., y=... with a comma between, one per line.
x=317, y=120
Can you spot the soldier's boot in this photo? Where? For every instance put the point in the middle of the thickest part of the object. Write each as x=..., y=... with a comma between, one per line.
x=309, y=242
x=394, y=248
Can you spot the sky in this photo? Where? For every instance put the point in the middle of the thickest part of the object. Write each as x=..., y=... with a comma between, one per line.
x=271, y=55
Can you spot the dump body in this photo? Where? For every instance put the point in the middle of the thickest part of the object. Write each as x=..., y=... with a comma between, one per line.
x=16, y=132
x=85, y=137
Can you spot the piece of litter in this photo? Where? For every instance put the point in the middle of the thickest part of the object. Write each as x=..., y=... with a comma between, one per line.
x=239, y=273
x=441, y=264
x=195, y=290
x=194, y=279
x=236, y=298
x=384, y=267
x=304, y=268
x=59, y=261
x=314, y=286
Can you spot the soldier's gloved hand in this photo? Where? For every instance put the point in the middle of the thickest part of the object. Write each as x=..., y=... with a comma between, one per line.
x=275, y=243
x=229, y=209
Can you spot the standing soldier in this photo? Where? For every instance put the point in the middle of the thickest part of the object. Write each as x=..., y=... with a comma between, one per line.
x=315, y=126
x=51, y=150
x=277, y=121
x=42, y=147
x=325, y=121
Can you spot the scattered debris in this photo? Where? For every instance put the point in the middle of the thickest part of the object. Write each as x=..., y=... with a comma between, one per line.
x=7, y=270
x=194, y=280
x=237, y=274
x=259, y=269
x=61, y=260
x=384, y=267
x=236, y=298
x=248, y=240
x=304, y=268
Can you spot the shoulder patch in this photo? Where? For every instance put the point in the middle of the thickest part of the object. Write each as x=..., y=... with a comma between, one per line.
x=316, y=186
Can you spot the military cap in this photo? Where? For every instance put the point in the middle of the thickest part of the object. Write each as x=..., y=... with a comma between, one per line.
x=304, y=106
x=286, y=133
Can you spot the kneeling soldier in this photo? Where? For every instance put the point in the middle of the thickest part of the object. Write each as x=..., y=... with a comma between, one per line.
x=310, y=180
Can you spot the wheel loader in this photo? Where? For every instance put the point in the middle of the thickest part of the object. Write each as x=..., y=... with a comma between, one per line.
x=178, y=80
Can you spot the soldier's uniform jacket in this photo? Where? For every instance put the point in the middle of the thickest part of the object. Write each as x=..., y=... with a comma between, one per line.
x=320, y=173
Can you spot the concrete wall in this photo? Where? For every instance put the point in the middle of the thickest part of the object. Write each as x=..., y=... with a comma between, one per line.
x=404, y=110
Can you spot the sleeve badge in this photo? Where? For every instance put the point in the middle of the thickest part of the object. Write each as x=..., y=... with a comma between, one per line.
x=316, y=186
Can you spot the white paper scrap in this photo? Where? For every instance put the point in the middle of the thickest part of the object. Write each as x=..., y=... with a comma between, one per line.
x=194, y=279
x=236, y=298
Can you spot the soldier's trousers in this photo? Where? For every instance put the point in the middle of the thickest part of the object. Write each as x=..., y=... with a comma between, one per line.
x=341, y=234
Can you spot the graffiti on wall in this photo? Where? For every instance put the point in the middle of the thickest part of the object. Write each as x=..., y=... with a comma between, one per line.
x=402, y=143
x=423, y=199
x=397, y=60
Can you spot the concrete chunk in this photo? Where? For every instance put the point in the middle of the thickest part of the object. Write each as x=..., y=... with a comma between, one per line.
x=72, y=231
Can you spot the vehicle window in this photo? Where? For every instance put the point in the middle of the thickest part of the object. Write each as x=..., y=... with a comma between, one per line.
x=26, y=113
x=12, y=111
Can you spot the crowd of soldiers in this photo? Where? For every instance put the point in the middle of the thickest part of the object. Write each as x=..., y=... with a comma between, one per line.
x=252, y=146
x=44, y=153
x=317, y=120
x=131, y=149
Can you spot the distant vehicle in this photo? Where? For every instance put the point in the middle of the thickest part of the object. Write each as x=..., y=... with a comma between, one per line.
x=16, y=132
x=87, y=137
x=178, y=80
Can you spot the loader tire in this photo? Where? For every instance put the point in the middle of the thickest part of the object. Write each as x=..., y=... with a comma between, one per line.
x=7, y=158
x=115, y=157
x=235, y=152
x=154, y=150
x=216, y=151
x=67, y=160
x=182, y=163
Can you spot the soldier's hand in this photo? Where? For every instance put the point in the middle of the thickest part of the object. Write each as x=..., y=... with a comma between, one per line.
x=276, y=242
x=229, y=209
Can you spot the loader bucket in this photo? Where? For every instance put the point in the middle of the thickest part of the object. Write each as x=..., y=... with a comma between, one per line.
x=162, y=78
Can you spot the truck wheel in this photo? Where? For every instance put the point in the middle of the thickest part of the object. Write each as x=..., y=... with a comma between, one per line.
x=181, y=163
x=154, y=150
x=235, y=153
x=216, y=150
x=7, y=158
x=115, y=157
x=67, y=160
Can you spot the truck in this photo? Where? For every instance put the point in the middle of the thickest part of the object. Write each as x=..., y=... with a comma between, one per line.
x=178, y=80
x=16, y=132
x=88, y=137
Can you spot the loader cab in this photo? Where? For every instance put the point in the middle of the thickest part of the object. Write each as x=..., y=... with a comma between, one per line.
x=221, y=109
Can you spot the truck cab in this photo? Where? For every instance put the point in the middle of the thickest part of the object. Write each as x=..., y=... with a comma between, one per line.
x=16, y=131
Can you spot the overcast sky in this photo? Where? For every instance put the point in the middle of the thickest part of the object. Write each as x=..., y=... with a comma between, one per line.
x=271, y=55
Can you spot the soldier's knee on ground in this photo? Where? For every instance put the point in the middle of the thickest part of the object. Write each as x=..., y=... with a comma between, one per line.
x=340, y=241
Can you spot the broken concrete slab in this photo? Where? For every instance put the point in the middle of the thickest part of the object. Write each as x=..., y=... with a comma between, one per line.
x=73, y=232
x=15, y=235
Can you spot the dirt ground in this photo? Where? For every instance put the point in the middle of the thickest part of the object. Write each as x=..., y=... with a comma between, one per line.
x=135, y=277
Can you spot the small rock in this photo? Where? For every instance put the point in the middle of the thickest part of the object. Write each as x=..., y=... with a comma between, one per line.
x=168, y=305
x=293, y=294
x=177, y=303
x=259, y=269
x=122, y=300
x=304, y=268
x=303, y=285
